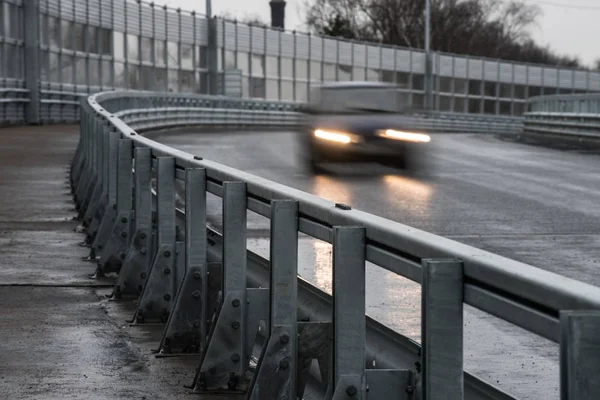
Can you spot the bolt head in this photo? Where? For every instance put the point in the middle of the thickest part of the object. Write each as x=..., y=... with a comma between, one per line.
x=235, y=357
x=143, y=250
x=197, y=275
x=196, y=324
x=235, y=324
x=167, y=253
x=164, y=317
x=124, y=219
x=409, y=389
x=143, y=236
x=167, y=270
x=167, y=297
x=351, y=390
x=123, y=234
x=143, y=275
x=284, y=337
x=284, y=363
x=196, y=294
x=235, y=302
x=122, y=256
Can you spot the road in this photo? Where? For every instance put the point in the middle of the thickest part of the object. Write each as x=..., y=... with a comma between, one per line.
x=533, y=204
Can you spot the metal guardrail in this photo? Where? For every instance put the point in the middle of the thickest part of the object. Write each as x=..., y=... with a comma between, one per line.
x=570, y=116
x=212, y=293
x=13, y=102
x=189, y=109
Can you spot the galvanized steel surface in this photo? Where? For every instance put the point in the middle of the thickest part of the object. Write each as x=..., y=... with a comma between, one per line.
x=571, y=116
x=504, y=287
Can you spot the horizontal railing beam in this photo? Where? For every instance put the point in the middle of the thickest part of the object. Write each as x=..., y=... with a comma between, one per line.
x=452, y=274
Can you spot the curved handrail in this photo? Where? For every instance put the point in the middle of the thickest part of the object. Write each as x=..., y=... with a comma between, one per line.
x=519, y=293
x=534, y=288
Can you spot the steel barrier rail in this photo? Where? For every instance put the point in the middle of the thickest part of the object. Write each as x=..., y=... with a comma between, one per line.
x=566, y=103
x=178, y=285
x=571, y=125
x=13, y=102
x=432, y=121
x=571, y=116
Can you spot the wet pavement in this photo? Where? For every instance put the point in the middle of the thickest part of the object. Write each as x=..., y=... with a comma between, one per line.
x=60, y=336
x=534, y=204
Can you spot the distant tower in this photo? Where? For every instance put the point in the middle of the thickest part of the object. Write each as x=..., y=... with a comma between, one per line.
x=277, y=13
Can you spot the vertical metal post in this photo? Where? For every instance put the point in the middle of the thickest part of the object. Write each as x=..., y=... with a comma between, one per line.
x=32, y=59
x=209, y=8
x=234, y=236
x=349, y=320
x=104, y=177
x=124, y=176
x=226, y=353
x=109, y=188
x=579, y=355
x=195, y=212
x=165, y=184
x=277, y=368
x=195, y=237
x=284, y=265
x=442, y=329
x=234, y=255
x=143, y=186
x=211, y=50
x=162, y=283
x=96, y=198
x=428, y=58
x=132, y=276
x=115, y=252
x=186, y=329
x=113, y=149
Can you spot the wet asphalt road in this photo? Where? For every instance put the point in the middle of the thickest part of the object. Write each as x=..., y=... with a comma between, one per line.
x=533, y=204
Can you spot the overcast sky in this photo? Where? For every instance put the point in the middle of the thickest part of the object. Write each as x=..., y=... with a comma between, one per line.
x=569, y=26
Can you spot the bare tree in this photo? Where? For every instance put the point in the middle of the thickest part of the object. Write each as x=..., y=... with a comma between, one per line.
x=487, y=28
x=249, y=19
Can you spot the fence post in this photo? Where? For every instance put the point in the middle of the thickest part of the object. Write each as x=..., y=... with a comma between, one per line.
x=579, y=355
x=349, y=320
x=114, y=253
x=442, y=329
x=226, y=356
x=31, y=25
x=276, y=372
x=212, y=55
x=132, y=276
x=98, y=215
x=105, y=226
x=186, y=329
x=162, y=282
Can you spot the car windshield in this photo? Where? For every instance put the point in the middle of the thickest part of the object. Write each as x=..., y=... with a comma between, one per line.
x=361, y=100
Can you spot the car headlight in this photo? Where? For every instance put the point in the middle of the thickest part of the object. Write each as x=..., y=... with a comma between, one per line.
x=402, y=135
x=336, y=136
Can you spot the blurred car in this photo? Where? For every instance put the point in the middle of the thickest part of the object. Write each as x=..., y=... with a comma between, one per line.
x=359, y=122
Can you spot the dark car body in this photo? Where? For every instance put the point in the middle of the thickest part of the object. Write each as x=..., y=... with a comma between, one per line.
x=358, y=122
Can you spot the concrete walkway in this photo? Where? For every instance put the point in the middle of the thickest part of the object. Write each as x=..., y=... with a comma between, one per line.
x=60, y=337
